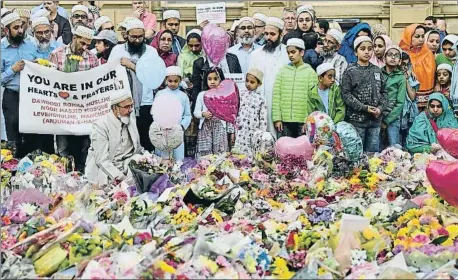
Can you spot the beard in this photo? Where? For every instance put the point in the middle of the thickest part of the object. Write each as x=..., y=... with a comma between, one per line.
x=18, y=39
x=270, y=45
x=78, y=23
x=136, y=48
x=44, y=45
x=246, y=40
x=325, y=53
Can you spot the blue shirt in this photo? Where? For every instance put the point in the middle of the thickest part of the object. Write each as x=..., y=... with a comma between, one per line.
x=184, y=100
x=61, y=11
x=10, y=55
x=324, y=95
x=243, y=55
x=45, y=54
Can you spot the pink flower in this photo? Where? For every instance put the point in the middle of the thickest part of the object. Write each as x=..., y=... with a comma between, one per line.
x=227, y=227
x=120, y=196
x=442, y=231
x=420, y=238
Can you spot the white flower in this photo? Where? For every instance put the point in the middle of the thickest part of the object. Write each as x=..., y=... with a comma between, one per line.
x=28, y=208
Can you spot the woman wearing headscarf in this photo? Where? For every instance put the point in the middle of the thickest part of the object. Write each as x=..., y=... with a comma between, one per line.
x=162, y=42
x=422, y=59
x=191, y=52
x=346, y=48
x=448, y=54
x=432, y=40
x=305, y=23
x=454, y=85
x=381, y=43
x=422, y=134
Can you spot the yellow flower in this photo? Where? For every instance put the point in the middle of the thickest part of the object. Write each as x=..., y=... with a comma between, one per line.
x=69, y=198
x=217, y=216
x=355, y=181
x=403, y=232
x=244, y=177
x=320, y=185
x=166, y=268
x=369, y=233
x=107, y=244
x=430, y=190
x=374, y=163
x=281, y=269
x=321, y=271
x=130, y=241
x=211, y=265
x=413, y=223
x=390, y=167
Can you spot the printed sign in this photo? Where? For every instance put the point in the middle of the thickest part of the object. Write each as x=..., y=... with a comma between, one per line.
x=214, y=12
x=54, y=102
x=238, y=79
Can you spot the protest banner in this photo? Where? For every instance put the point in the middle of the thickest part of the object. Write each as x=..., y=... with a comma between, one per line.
x=213, y=12
x=238, y=79
x=54, y=102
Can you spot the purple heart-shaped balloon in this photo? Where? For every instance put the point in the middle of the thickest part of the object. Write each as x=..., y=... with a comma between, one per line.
x=215, y=42
x=223, y=101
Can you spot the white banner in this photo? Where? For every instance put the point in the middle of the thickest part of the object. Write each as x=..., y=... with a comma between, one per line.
x=214, y=12
x=54, y=102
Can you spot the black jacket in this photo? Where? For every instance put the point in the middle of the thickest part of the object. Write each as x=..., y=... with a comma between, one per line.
x=201, y=67
x=297, y=33
x=63, y=29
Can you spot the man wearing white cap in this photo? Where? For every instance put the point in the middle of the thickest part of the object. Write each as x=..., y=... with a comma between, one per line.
x=246, y=45
x=171, y=21
x=149, y=19
x=79, y=17
x=103, y=23
x=329, y=53
x=260, y=20
x=60, y=26
x=41, y=30
x=14, y=51
x=114, y=141
x=71, y=145
x=269, y=59
x=129, y=53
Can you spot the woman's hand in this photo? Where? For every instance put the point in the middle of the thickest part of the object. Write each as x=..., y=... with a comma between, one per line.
x=279, y=126
x=203, y=23
x=207, y=115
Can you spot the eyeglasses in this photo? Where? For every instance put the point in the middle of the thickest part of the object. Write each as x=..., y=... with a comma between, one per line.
x=432, y=106
x=393, y=55
x=43, y=33
x=109, y=28
x=260, y=26
x=78, y=16
x=246, y=27
x=136, y=37
x=130, y=106
x=194, y=46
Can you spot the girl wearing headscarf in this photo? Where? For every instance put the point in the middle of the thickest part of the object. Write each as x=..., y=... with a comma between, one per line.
x=443, y=79
x=448, y=54
x=381, y=43
x=422, y=59
x=305, y=23
x=162, y=42
x=422, y=134
x=432, y=40
x=346, y=48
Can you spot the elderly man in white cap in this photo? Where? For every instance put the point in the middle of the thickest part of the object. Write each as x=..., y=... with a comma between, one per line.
x=171, y=21
x=329, y=53
x=60, y=26
x=246, y=45
x=260, y=20
x=129, y=53
x=79, y=17
x=71, y=145
x=149, y=19
x=269, y=59
x=114, y=141
x=103, y=23
x=41, y=30
x=14, y=51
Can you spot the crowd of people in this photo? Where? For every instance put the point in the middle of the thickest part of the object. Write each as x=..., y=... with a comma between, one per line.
x=393, y=93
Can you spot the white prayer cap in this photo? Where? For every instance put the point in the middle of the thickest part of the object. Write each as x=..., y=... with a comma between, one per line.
x=125, y=22
x=39, y=21
x=360, y=40
x=249, y=19
x=171, y=14
x=323, y=68
x=445, y=66
x=336, y=34
x=84, y=32
x=10, y=18
x=256, y=73
x=81, y=8
x=101, y=21
x=4, y=10
x=173, y=71
x=41, y=13
x=134, y=24
x=275, y=22
x=296, y=42
x=119, y=96
x=22, y=12
x=234, y=25
x=195, y=31
x=306, y=9
x=260, y=16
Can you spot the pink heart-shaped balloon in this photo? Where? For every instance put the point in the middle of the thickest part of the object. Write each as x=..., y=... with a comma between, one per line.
x=215, y=42
x=223, y=101
x=299, y=147
x=443, y=177
x=448, y=139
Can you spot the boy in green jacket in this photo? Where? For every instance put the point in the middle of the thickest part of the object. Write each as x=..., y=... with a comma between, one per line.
x=326, y=97
x=292, y=88
x=396, y=89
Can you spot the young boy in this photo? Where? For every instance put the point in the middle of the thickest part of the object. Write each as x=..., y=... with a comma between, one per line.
x=326, y=97
x=410, y=110
x=292, y=87
x=396, y=88
x=173, y=80
x=364, y=94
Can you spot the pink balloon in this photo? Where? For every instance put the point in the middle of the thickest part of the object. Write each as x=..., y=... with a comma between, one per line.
x=167, y=110
x=299, y=147
x=223, y=101
x=448, y=139
x=215, y=42
x=442, y=176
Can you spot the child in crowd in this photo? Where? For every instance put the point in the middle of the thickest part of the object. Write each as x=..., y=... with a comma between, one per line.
x=311, y=57
x=292, y=87
x=444, y=79
x=252, y=113
x=326, y=97
x=364, y=94
x=396, y=90
x=173, y=80
x=212, y=135
x=410, y=109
